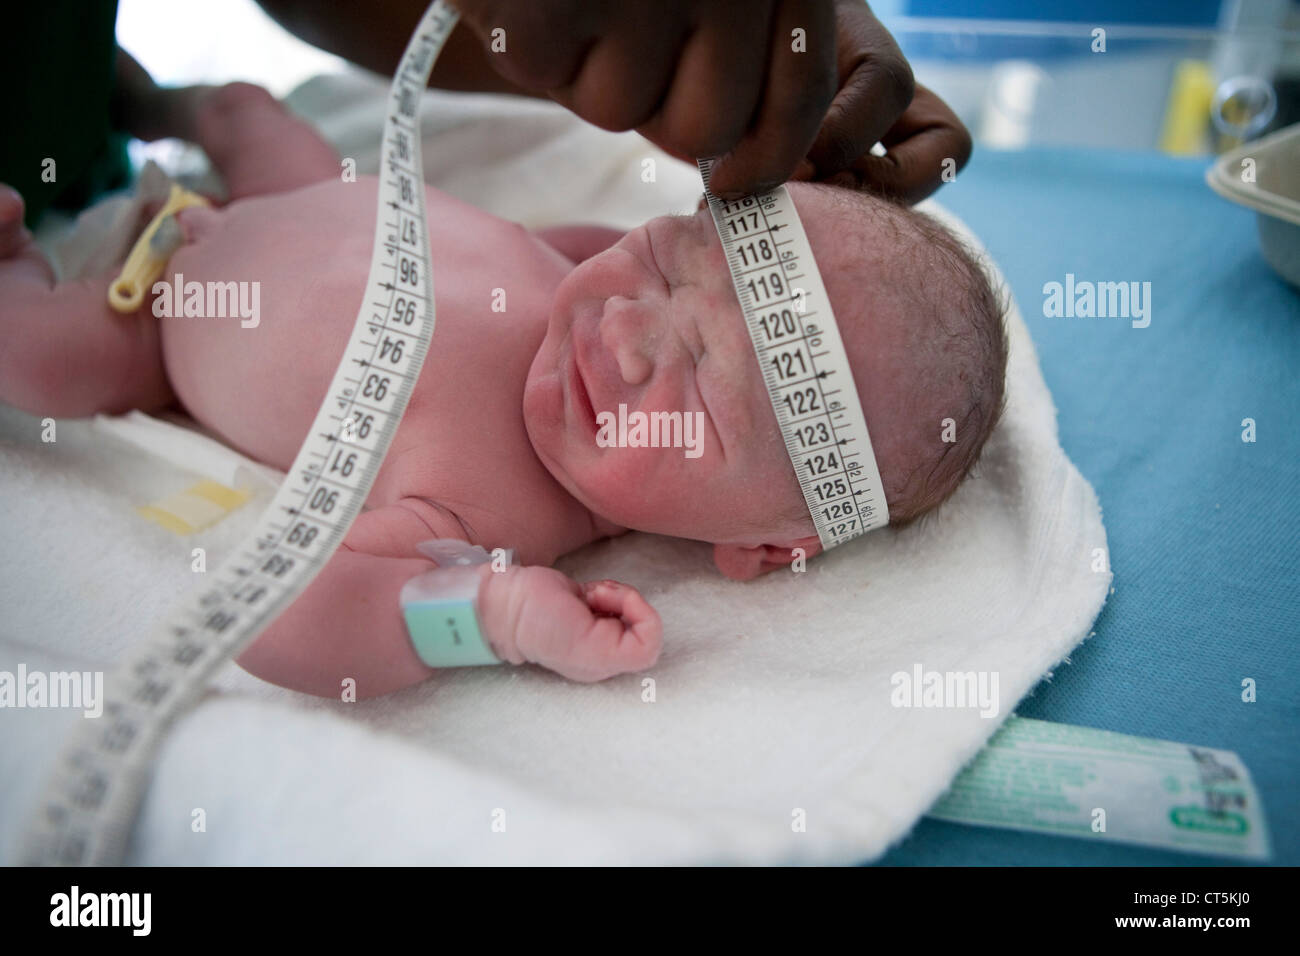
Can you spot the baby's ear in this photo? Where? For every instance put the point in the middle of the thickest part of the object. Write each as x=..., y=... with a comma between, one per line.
x=744, y=564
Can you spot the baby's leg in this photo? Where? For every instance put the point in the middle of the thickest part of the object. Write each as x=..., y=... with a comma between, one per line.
x=259, y=146
x=63, y=351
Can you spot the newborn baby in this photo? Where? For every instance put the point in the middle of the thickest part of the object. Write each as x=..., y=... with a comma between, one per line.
x=499, y=445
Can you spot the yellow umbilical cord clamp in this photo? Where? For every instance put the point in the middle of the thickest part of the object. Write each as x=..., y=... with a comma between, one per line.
x=151, y=251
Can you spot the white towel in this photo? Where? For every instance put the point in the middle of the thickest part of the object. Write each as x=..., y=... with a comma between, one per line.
x=768, y=734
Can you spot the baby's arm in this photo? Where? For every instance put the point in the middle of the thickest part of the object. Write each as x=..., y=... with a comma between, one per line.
x=579, y=243
x=349, y=622
x=258, y=146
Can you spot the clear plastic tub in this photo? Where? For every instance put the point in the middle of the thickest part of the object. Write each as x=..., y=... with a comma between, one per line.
x=1265, y=175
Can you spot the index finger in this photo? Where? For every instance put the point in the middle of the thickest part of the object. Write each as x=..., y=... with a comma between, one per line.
x=800, y=85
x=876, y=87
x=925, y=148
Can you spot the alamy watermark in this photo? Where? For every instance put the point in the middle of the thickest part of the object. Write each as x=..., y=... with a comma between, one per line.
x=652, y=430
x=83, y=689
x=1103, y=300
x=76, y=908
x=209, y=300
x=945, y=689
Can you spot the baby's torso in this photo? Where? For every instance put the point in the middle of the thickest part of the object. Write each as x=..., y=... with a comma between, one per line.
x=462, y=441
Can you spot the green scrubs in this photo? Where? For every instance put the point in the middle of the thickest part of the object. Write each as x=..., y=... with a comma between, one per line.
x=58, y=58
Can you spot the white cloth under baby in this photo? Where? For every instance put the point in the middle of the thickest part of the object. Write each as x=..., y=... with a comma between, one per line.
x=766, y=732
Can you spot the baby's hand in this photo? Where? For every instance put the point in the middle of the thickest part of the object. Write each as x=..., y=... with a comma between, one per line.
x=585, y=632
x=21, y=260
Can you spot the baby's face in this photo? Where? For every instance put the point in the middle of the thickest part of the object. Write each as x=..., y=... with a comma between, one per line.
x=653, y=324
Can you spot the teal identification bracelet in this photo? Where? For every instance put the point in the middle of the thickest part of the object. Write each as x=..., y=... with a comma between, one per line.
x=439, y=606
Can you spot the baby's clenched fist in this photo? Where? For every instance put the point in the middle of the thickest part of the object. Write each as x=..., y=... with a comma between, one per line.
x=585, y=632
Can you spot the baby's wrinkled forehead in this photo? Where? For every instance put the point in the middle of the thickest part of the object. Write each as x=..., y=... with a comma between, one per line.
x=687, y=251
x=689, y=233
x=874, y=258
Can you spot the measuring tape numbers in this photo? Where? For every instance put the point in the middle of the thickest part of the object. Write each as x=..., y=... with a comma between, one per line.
x=804, y=364
x=86, y=814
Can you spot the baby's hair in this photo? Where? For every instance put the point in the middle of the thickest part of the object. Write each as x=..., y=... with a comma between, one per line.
x=968, y=330
x=981, y=311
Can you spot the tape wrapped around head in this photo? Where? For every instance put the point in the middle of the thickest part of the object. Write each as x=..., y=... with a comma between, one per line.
x=806, y=369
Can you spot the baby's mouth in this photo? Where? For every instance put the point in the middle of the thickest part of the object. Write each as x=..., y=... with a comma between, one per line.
x=579, y=397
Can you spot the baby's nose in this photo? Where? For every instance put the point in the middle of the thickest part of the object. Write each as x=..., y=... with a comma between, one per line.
x=628, y=330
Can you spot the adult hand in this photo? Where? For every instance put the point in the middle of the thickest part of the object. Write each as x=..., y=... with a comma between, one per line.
x=775, y=88
x=923, y=149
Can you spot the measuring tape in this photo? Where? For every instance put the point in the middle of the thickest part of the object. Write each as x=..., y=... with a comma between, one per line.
x=804, y=364
x=86, y=814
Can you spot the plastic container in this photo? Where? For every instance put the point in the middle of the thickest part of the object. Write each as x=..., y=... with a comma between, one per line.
x=1272, y=189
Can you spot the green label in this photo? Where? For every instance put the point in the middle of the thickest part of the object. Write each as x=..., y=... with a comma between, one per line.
x=1099, y=785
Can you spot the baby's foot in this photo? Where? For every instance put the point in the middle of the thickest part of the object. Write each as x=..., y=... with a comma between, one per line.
x=21, y=259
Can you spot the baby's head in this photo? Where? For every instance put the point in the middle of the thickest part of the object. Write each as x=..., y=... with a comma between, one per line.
x=653, y=324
